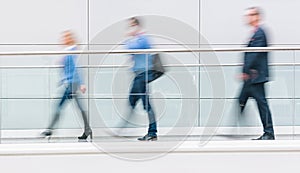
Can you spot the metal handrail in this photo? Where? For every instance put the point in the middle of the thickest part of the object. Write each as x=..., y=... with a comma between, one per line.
x=127, y=66
x=143, y=51
x=150, y=51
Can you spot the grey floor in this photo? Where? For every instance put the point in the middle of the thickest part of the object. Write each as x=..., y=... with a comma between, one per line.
x=134, y=139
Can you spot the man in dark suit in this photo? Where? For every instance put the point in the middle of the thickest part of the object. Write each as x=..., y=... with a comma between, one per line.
x=256, y=74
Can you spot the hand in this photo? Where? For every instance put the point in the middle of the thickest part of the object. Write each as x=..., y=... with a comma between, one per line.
x=243, y=76
x=82, y=88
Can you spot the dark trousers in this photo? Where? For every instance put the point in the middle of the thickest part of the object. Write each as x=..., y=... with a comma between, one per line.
x=70, y=93
x=257, y=91
x=139, y=91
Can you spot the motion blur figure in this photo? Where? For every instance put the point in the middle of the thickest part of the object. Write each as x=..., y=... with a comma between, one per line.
x=141, y=68
x=72, y=82
x=256, y=73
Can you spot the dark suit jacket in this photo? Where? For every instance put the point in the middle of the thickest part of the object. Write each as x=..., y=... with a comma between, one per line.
x=256, y=63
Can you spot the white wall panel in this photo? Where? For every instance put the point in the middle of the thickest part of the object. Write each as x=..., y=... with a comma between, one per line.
x=40, y=22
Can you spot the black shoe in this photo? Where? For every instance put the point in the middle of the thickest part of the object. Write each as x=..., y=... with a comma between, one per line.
x=148, y=138
x=46, y=133
x=85, y=135
x=266, y=136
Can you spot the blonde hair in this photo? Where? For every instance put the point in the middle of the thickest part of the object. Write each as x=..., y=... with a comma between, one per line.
x=69, y=37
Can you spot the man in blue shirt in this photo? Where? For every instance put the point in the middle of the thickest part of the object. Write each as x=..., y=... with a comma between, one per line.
x=141, y=68
x=72, y=82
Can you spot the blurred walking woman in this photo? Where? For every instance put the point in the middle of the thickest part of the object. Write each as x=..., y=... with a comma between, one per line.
x=72, y=82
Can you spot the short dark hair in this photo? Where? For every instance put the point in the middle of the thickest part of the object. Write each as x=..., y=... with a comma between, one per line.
x=135, y=20
x=257, y=9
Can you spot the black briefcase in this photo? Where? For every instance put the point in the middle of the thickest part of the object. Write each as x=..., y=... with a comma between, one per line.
x=158, y=69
